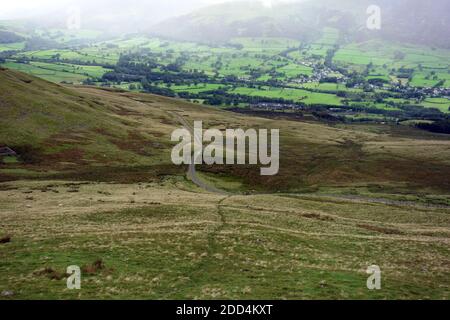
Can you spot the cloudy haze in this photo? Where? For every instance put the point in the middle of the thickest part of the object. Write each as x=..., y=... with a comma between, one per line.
x=20, y=9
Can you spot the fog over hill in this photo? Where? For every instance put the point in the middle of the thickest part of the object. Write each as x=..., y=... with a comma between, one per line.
x=132, y=16
x=113, y=16
x=414, y=21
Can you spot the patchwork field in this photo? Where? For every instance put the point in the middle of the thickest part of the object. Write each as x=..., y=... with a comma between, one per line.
x=326, y=72
x=430, y=65
x=296, y=95
x=60, y=72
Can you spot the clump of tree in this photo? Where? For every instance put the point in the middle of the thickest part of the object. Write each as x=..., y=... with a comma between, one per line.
x=442, y=126
x=149, y=88
x=325, y=116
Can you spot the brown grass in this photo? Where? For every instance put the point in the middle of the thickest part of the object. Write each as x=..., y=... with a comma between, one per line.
x=51, y=274
x=96, y=267
x=317, y=217
x=380, y=229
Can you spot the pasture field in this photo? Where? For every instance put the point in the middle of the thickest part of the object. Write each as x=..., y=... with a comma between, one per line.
x=48, y=72
x=59, y=72
x=280, y=68
x=439, y=103
x=363, y=55
x=197, y=88
x=12, y=46
x=427, y=79
x=88, y=55
x=205, y=64
x=239, y=66
x=327, y=86
x=294, y=70
x=426, y=62
x=91, y=71
x=296, y=95
x=318, y=50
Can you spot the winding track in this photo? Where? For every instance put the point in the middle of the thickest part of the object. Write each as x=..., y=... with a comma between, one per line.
x=192, y=171
x=193, y=176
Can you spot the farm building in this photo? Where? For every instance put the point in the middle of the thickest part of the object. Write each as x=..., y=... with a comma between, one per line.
x=5, y=152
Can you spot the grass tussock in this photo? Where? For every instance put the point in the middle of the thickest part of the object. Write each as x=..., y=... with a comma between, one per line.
x=5, y=239
x=51, y=274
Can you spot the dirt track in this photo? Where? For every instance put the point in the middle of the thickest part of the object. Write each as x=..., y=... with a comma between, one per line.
x=193, y=176
x=192, y=171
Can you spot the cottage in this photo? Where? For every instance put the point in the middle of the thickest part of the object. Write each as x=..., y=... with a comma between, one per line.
x=5, y=152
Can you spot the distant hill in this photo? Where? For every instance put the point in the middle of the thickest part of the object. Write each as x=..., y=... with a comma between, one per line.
x=222, y=22
x=110, y=16
x=9, y=37
x=411, y=21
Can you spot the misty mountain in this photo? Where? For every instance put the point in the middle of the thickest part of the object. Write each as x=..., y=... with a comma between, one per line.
x=112, y=16
x=411, y=21
x=9, y=37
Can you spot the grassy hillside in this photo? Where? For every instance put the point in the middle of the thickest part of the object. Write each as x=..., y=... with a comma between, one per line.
x=93, y=186
x=65, y=129
x=58, y=129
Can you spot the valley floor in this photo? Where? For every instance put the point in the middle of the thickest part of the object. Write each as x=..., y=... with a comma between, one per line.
x=171, y=240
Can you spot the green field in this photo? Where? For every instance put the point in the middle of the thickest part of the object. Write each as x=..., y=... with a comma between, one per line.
x=428, y=80
x=295, y=70
x=12, y=46
x=426, y=62
x=89, y=55
x=197, y=88
x=439, y=103
x=266, y=67
x=326, y=86
x=296, y=95
x=58, y=72
x=46, y=73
